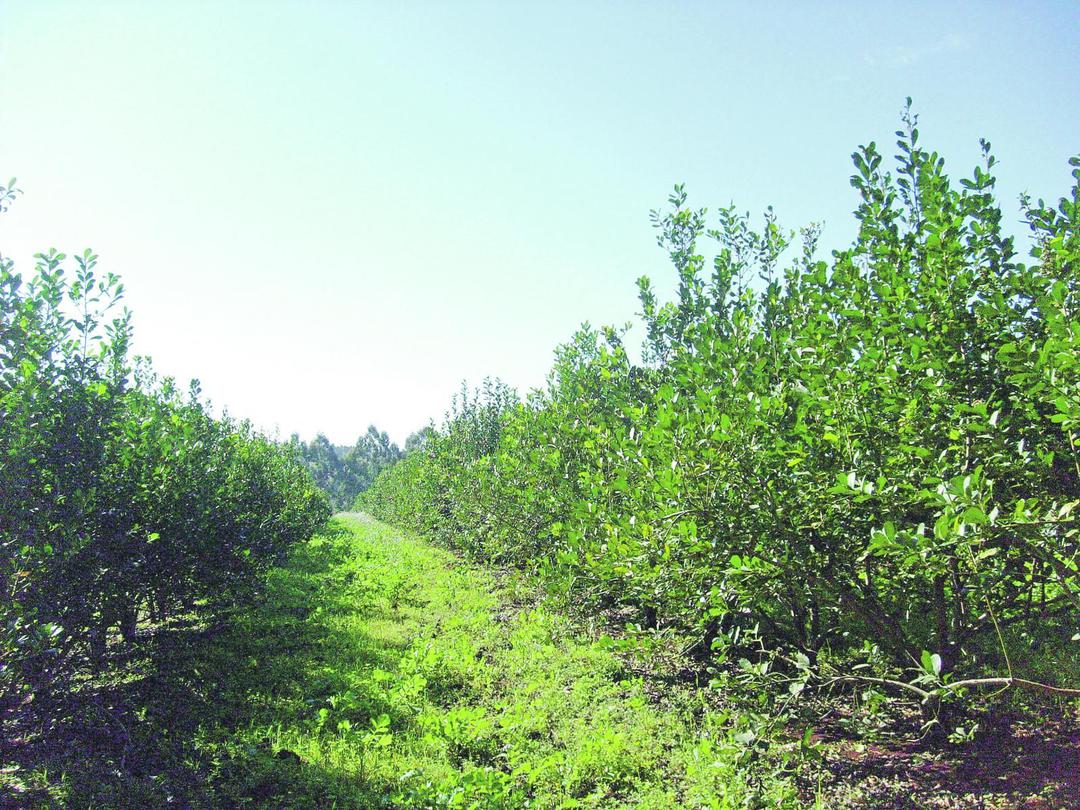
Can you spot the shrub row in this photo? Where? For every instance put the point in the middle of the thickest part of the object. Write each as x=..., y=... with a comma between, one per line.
x=872, y=456
x=122, y=499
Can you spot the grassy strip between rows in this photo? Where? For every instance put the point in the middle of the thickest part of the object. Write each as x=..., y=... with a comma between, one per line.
x=379, y=671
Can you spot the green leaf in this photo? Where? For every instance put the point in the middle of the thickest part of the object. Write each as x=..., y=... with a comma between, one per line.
x=931, y=663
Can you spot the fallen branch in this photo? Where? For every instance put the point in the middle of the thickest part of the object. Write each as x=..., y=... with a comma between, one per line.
x=971, y=683
x=910, y=687
x=1023, y=683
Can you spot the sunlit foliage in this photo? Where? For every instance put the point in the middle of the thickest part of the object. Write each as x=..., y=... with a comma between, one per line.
x=870, y=458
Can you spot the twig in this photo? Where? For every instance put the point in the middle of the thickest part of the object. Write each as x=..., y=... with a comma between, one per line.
x=925, y=695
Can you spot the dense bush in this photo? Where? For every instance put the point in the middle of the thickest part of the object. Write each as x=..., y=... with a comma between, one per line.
x=872, y=457
x=121, y=498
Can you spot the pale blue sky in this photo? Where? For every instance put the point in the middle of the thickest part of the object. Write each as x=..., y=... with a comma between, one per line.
x=331, y=213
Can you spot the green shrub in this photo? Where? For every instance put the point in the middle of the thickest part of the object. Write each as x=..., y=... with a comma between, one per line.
x=122, y=499
x=870, y=458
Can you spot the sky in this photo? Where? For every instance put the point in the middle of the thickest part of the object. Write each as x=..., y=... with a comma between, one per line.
x=333, y=213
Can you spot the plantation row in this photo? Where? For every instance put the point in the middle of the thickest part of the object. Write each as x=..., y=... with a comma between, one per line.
x=122, y=499
x=862, y=466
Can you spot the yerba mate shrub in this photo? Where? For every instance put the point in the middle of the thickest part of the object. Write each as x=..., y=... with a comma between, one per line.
x=122, y=499
x=865, y=460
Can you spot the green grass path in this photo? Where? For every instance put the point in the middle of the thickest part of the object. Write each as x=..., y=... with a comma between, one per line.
x=378, y=671
x=393, y=674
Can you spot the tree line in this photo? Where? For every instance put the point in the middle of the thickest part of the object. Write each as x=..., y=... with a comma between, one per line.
x=864, y=466
x=344, y=472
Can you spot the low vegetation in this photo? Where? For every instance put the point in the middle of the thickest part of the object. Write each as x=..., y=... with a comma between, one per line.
x=377, y=671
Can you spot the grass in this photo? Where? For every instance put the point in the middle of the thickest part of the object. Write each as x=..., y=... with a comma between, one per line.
x=378, y=671
x=374, y=670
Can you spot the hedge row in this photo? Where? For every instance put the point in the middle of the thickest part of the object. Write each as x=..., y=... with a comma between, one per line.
x=122, y=499
x=873, y=457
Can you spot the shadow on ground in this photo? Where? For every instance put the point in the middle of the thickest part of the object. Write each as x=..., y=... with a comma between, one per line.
x=1028, y=760
x=186, y=718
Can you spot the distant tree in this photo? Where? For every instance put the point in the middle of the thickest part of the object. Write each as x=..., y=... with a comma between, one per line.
x=327, y=469
x=344, y=475
x=372, y=453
